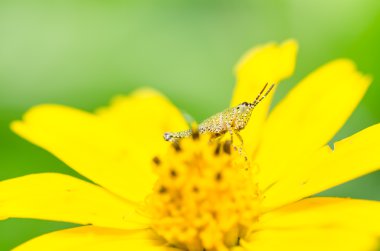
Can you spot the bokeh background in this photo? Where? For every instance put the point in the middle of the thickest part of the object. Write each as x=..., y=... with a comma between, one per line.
x=81, y=53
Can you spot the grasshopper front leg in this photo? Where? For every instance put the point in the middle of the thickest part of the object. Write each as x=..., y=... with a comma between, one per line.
x=239, y=148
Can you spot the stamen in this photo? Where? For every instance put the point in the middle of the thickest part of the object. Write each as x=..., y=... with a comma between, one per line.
x=173, y=173
x=195, y=189
x=204, y=198
x=156, y=161
x=227, y=147
x=163, y=190
x=176, y=146
x=218, y=176
x=217, y=149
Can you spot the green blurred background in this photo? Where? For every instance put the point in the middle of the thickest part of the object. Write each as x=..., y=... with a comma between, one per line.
x=81, y=53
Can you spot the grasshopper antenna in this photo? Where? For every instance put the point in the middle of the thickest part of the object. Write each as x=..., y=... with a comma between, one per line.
x=260, y=97
x=261, y=92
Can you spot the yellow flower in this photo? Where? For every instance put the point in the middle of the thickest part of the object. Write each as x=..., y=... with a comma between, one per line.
x=148, y=195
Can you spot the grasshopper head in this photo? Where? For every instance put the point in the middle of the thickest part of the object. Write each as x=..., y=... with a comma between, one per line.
x=244, y=107
x=168, y=136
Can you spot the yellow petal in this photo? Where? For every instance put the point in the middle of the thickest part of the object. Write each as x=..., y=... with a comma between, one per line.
x=95, y=238
x=58, y=197
x=309, y=117
x=351, y=158
x=350, y=214
x=144, y=116
x=270, y=64
x=114, y=155
x=310, y=240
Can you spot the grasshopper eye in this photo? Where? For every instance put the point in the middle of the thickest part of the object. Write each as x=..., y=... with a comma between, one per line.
x=243, y=105
x=168, y=136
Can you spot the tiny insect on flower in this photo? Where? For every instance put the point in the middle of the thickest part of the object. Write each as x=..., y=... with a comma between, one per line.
x=231, y=120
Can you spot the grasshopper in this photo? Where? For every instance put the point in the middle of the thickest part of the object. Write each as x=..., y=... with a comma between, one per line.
x=231, y=120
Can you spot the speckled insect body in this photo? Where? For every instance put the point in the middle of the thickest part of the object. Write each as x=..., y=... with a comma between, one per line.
x=231, y=120
x=234, y=118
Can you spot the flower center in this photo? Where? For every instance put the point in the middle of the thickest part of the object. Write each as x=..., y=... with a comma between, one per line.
x=205, y=197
